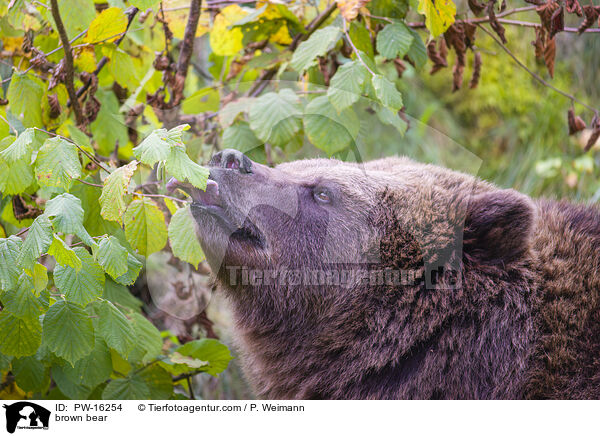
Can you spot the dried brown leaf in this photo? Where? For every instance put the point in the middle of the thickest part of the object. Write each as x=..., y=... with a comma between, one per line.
x=540, y=42
x=546, y=11
x=470, y=29
x=22, y=210
x=550, y=55
x=476, y=71
x=591, y=14
x=476, y=7
x=573, y=7
x=576, y=124
x=495, y=25
x=434, y=55
x=557, y=22
x=595, y=125
x=349, y=8
x=54, y=104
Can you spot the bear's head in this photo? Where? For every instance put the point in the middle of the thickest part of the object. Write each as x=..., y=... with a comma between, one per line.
x=340, y=259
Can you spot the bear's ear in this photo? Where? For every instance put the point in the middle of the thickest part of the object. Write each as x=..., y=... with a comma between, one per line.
x=498, y=226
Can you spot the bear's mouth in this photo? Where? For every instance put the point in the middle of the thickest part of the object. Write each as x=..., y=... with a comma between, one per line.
x=210, y=202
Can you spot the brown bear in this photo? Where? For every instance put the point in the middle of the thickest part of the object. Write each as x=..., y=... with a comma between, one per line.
x=399, y=280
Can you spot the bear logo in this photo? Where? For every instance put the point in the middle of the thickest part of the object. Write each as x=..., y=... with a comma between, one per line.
x=25, y=414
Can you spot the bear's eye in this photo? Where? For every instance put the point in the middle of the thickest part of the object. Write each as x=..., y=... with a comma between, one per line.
x=322, y=195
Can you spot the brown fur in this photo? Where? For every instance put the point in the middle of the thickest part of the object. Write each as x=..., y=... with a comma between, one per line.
x=514, y=313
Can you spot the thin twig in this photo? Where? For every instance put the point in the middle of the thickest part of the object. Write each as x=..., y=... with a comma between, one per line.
x=355, y=50
x=89, y=184
x=486, y=19
x=161, y=196
x=131, y=13
x=261, y=83
x=68, y=63
x=92, y=157
x=534, y=75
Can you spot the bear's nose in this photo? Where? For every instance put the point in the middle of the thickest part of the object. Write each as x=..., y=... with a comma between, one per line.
x=231, y=159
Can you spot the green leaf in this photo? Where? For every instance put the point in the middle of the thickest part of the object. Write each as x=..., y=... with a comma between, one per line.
x=148, y=341
x=39, y=276
x=275, y=117
x=155, y=148
x=83, y=286
x=20, y=149
x=64, y=254
x=317, y=45
x=93, y=369
x=417, y=52
x=387, y=116
x=119, y=294
x=37, y=242
x=66, y=214
x=68, y=331
x=240, y=137
x=387, y=93
x=76, y=15
x=9, y=268
x=328, y=130
x=133, y=387
x=182, y=234
x=203, y=100
x=439, y=15
x=30, y=374
x=112, y=256
x=145, y=226
x=68, y=383
x=144, y=4
x=93, y=222
x=184, y=169
x=22, y=302
x=112, y=200
x=134, y=267
x=115, y=329
x=57, y=163
x=159, y=381
x=107, y=26
x=361, y=38
x=19, y=337
x=15, y=177
x=347, y=85
x=394, y=41
x=109, y=128
x=25, y=92
x=206, y=355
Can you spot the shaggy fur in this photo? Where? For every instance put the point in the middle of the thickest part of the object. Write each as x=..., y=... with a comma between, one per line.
x=513, y=312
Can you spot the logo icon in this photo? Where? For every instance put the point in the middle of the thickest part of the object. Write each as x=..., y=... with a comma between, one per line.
x=26, y=415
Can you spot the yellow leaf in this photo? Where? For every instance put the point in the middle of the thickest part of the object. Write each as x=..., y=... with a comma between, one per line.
x=282, y=36
x=107, y=26
x=176, y=15
x=349, y=8
x=11, y=43
x=2, y=232
x=224, y=41
x=439, y=15
x=85, y=59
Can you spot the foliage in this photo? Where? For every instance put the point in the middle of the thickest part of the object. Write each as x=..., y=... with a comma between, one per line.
x=98, y=111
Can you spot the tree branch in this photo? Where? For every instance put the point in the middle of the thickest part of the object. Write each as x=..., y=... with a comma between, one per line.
x=186, y=50
x=68, y=63
x=534, y=75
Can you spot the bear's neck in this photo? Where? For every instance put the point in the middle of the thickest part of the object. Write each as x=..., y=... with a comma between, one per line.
x=390, y=344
